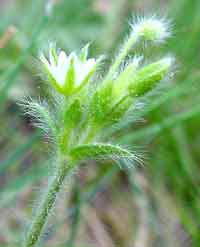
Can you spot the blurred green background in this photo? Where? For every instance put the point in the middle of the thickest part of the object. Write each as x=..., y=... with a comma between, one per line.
x=154, y=204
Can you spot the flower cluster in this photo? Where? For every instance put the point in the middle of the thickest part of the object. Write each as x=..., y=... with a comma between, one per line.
x=81, y=114
x=110, y=100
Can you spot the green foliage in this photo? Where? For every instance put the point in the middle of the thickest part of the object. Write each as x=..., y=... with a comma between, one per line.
x=100, y=104
x=72, y=115
x=100, y=150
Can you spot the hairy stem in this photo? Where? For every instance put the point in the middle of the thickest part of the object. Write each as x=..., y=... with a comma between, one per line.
x=121, y=56
x=47, y=203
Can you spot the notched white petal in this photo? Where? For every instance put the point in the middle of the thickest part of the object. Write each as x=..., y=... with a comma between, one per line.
x=62, y=58
x=59, y=68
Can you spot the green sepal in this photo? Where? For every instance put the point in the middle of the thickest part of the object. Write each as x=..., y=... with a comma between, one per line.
x=84, y=53
x=53, y=54
x=69, y=84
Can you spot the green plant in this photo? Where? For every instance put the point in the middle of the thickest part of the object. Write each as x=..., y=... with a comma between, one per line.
x=80, y=111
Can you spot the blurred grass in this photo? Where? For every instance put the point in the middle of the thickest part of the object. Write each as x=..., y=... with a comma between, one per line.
x=171, y=129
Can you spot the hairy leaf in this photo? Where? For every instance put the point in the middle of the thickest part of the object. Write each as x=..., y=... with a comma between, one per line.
x=100, y=150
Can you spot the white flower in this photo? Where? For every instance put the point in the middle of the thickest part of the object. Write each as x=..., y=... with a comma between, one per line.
x=83, y=69
x=68, y=74
x=152, y=29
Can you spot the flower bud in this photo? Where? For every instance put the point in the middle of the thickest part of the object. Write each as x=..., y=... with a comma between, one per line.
x=149, y=76
x=151, y=29
x=68, y=74
x=122, y=82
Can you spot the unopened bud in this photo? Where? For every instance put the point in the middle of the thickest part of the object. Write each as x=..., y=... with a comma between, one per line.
x=148, y=77
x=122, y=82
x=152, y=29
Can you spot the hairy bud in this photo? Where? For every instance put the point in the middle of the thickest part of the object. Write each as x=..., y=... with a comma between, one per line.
x=149, y=76
x=151, y=29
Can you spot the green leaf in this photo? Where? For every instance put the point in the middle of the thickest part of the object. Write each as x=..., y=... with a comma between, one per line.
x=100, y=150
x=73, y=114
x=72, y=118
x=101, y=103
x=44, y=119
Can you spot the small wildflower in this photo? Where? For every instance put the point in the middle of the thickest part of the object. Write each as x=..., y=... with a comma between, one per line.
x=79, y=125
x=68, y=74
x=152, y=29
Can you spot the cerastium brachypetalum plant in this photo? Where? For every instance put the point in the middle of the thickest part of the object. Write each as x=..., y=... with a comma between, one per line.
x=83, y=109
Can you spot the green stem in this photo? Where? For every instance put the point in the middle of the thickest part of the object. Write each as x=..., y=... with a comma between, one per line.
x=122, y=54
x=76, y=215
x=45, y=208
